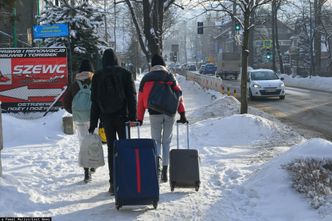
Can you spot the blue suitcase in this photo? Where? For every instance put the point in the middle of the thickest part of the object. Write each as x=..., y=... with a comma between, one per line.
x=135, y=172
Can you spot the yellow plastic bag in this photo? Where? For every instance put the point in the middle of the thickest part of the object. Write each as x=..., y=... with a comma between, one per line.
x=102, y=135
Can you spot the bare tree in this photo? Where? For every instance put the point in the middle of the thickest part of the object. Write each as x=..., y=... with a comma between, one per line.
x=247, y=9
x=318, y=30
x=276, y=4
x=153, y=24
x=327, y=34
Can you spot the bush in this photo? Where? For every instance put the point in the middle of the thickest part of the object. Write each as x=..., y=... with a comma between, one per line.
x=313, y=178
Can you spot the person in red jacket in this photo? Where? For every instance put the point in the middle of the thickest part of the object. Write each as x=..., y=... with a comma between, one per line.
x=161, y=124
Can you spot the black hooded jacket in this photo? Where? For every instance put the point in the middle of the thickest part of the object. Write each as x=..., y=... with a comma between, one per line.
x=110, y=62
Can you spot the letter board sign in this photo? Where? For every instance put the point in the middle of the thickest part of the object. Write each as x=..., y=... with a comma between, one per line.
x=31, y=78
x=50, y=31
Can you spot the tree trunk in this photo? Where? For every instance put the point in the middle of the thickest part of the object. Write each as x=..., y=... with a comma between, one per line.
x=277, y=45
x=317, y=35
x=138, y=30
x=251, y=42
x=152, y=38
x=274, y=23
x=245, y=54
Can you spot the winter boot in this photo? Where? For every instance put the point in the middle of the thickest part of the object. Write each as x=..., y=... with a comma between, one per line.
x=87, y=175
x=164, y=174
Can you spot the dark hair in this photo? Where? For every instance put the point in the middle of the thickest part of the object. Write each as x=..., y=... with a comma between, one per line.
x=86, y=66
x=157, y=60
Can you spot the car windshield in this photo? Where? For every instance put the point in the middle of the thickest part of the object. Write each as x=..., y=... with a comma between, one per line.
x=210, y=67
x=263, y=75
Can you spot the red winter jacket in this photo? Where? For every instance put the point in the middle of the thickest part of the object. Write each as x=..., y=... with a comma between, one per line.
x=157, y=73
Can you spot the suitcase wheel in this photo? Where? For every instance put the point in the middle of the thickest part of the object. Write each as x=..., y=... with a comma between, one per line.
x=155, y=204
x=197, y=186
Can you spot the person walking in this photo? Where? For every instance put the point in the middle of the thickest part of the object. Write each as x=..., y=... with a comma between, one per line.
x=113, y=96
x=161, y=125
x=81, y=120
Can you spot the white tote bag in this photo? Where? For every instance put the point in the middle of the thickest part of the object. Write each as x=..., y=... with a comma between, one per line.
x=91, y=153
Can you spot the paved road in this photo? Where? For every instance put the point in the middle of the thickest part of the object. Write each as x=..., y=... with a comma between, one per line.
x=308, y=111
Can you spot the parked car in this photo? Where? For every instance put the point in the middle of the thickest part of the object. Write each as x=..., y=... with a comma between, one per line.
x=265, y=83
x=201, y=69
x=191, y=67
x=209, y=69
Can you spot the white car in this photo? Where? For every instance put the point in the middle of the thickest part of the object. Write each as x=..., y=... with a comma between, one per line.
x=265, y=83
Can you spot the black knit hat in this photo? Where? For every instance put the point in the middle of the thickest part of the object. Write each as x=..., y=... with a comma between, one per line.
x=157, y=60
x=109, y=58
x=86, y=66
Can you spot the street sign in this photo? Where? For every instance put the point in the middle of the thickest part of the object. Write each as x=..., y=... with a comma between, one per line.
x=30, y=78
x=50, y=31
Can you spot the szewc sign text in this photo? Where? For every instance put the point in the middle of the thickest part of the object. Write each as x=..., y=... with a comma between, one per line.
x=31, y=78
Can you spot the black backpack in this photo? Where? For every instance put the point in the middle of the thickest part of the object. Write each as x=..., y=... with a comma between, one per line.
x=111, y=95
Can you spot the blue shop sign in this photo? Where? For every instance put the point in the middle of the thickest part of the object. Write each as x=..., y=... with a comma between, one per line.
x=50, y=31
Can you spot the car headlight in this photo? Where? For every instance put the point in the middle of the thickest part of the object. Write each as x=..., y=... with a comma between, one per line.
x=282, y=85
x=256, y=85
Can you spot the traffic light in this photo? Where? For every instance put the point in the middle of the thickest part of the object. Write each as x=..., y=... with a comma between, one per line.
x=268, y=55
x=200, y=28
x=175, y=57
x=237, y=26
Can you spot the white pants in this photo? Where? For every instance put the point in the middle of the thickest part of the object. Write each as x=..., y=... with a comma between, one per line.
x=82, y=129
x=161, y=132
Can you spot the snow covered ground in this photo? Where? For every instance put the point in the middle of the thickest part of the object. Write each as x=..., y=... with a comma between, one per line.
x=314, y=82
x=241, y=158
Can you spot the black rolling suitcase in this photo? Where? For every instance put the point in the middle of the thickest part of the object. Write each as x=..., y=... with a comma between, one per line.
x=135, y=172
x=184, y=167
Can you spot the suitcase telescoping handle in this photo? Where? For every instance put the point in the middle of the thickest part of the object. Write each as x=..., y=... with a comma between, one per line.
x=127, y=125
x=177, y=134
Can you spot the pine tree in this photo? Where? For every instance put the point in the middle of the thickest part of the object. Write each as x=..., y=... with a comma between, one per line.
x=83, y=20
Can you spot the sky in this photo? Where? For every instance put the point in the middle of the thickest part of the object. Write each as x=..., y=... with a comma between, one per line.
x=241, y=159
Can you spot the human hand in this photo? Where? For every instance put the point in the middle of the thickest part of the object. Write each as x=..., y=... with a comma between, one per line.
x=91, y=130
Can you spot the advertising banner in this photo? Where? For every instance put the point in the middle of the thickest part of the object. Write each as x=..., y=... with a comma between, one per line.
x=31, y=78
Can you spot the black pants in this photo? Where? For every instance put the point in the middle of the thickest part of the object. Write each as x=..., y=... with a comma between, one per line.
x=114, y=127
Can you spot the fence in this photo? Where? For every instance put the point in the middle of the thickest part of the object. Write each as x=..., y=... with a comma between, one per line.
x=211, y=82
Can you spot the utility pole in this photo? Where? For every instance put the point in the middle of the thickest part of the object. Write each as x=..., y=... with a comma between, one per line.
x=38, y=7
